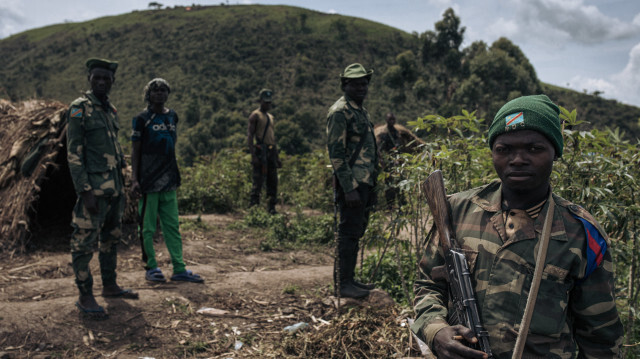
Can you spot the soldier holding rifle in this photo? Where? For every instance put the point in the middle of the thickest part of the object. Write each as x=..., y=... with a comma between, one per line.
x=540, y=266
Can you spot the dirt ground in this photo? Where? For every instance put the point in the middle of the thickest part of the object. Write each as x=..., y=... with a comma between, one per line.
x=257, y=294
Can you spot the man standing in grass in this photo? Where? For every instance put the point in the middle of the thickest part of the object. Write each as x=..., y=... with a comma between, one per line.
x=354, y=156
x=96, y=163
x=264, y=153
x=156, y=178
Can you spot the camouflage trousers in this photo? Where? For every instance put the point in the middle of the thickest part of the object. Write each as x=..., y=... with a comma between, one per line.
x=102, y=230
x=271, y=183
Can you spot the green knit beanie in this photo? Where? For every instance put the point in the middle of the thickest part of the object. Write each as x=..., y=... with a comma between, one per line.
x=536, y=113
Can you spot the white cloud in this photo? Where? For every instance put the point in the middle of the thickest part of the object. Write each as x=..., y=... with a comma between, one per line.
x=623, y=86
x=332, y=11
x=571, y=20
x=628, y=81
x=10, y=21
x=440, y=3
x=503, y=28
x=590, y=85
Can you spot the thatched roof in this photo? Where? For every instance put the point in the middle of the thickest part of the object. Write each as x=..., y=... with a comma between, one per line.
x=36, y=190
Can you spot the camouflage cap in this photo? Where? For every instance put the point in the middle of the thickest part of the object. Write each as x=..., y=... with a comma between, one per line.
x=93, y=62
x=266, y=95
x=355, y=71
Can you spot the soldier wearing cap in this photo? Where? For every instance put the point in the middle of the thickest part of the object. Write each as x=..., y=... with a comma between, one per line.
x=500, y=227
x=354, y=157
x=96, y=163
x=264, y=153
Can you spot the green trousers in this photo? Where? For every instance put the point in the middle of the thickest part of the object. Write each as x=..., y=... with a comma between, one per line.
x=163, y=205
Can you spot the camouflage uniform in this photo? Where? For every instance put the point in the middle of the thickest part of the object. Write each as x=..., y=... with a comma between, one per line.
x=347, y=123
x=96, y=162
x=574, y=308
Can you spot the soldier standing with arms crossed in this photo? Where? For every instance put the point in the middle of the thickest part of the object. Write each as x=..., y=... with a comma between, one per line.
x=96, y=163
x=354, y=157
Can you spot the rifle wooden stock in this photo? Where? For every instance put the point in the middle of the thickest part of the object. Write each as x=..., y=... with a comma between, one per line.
x=435, y=192
x=458, y=276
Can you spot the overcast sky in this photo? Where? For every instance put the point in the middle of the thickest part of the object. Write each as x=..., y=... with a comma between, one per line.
x=581, y=44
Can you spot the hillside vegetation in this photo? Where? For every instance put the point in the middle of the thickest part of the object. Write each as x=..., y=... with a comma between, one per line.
x=218, y=57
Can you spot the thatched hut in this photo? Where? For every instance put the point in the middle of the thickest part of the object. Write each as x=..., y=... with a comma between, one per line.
x=36, y=191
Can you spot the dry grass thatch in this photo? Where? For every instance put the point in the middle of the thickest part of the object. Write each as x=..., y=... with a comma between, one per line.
x=359, y=333
x=32, y=138
x=36, y=191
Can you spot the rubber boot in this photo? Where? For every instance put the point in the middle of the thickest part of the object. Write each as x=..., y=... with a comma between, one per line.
x=367, y=286
x=348, y=290
x=347, y=268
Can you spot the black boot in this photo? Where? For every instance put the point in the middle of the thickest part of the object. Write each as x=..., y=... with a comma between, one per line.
x=348, y=251
x=349, y=290
x=367, y=286
x=271, y=205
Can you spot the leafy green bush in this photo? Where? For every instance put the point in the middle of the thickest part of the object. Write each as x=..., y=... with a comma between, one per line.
x=392, y=272
x=306, y=181
x=286, y=231
x=217, y=184
x=221, y=183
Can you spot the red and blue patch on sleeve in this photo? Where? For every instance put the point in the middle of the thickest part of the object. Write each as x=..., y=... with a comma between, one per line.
x=596, y=246
x=75, y=112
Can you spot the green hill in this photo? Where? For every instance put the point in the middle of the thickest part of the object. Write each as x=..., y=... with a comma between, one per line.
x=218, y=57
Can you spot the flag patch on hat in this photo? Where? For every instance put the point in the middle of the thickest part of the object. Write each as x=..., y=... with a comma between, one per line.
x=76, y=113
x=514, y=119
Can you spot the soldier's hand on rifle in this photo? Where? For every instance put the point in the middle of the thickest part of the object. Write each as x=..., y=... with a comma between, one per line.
x=451, y=342
x=352, y=198
x=90, y=202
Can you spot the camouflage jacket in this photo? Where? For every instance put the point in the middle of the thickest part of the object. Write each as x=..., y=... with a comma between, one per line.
x=573, y=308
x=346, y=124
x=95, y=157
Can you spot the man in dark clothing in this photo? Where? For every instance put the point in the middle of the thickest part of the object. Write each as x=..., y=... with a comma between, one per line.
x=354, y=156
x=264, y=153
x=156, y=178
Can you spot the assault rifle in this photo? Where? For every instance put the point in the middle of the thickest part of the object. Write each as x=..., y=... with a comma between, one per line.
x=457, y=270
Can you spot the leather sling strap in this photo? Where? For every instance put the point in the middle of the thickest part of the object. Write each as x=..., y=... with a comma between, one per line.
x=535, y=283
x=264, y=134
